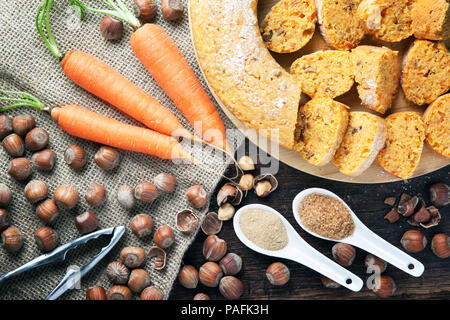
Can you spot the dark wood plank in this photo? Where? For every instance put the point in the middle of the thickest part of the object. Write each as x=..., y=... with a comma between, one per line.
x=367, y=202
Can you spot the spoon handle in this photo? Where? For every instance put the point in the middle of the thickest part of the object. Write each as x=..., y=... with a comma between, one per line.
x=370, y=242
x=304, y=254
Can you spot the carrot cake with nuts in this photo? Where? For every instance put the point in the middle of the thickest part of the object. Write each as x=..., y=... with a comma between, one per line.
x=364, y=138
x=437, y=125
x=339, y=24
x=321, y=126
x=289, y=25
x=377, y=71
x=387, y=20
x=240, y=69
x=426, y=71
x=431, y=19
x=325, y=73
x=404, y=143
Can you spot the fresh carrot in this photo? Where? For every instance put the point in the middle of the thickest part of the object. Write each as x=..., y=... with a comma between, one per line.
x=98, y=78
x=78, y=121
x=162, y=58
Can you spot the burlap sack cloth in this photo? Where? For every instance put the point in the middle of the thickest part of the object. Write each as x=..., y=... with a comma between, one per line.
x=26, y=64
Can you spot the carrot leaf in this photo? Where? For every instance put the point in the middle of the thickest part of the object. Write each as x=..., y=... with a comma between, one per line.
x=20, y=99
x=43, y=27
x=117, y=10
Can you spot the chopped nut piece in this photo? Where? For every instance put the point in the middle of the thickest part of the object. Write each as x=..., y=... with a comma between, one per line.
x=406, y=208
x=392, y=216
x=435, y=218
x=390, y=201
x=422, y=216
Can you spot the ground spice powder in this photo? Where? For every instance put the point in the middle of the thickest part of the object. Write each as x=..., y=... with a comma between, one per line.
x=264, y=229
x=326, y=216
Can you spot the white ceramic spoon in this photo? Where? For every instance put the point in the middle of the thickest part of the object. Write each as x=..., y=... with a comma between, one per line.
x=300, y=251
x=364, y=238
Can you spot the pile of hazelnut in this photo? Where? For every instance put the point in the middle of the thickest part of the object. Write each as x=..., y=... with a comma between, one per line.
x=112, y=29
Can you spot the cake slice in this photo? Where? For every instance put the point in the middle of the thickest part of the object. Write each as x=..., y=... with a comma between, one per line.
x=426, y=71
x=387, y=20
x=377, y=72
x=339, y=24
x=289, y=25
x=364, y=138
x=321, y=126
x=437, y=125
x=404, y=143
x=325, y=74
x=431, y=19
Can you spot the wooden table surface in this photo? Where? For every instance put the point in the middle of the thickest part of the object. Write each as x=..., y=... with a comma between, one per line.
x=367, y=202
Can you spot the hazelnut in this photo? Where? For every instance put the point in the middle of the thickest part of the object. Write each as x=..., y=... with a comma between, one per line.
x=211, y=224
x=210, y=274
x=188, y=277
x=278, y=274
x=384, y=286
x=231, y=287
x=19, y=168
x=374, y=264
x=47, y=211
x=95, y=195
x=5, y=195
x=6, y=126
x=46, y=239
x=344, y=254
x=440, y=245
x=13, y=145
x=125, y=196
x=152, y=293
x=229, y=193
x=226, y=212
x=214, y=248
x=44, y=160
x=246, y=182
x=96, y=293
x=36, y=139
x=142, y=225
x=4, y=219
x=201, y=296
x=86, y=222
x=328, y=283
x=132, y=257
x=187, y=221
x=66, y=196
x=264, y=185
x=172, y=9
x=145, y=192
x=22, y=124
x=197, y=196
x=12, y=239
x=146, y=9
x=75, y=156
x=440, y=194
x=139, y=279
x=111, y=29
x=231, y=264
x=117, y=272
x=413, y=241
x=119, y=292
x=36, y=190
x=107, y=158
x=165, y=182
x=164, y=237
x=160, y=255
x=246, y=163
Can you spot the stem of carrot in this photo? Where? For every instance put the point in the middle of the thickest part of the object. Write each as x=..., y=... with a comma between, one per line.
x=118, y=11
x=23, y=100
x=43, y=22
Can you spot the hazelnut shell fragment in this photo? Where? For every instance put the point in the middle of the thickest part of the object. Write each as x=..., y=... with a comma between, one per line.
x=434, y=219
x=186, y=221
x=160, y=255
x=392, y=216
x=262, y=189
x=211, y=224
x=407, y=205
x=229, y=193
x=390, y=201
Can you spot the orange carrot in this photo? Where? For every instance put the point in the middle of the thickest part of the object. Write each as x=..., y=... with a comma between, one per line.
x=86, y=124
x=161, y=56
x=98, y=78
